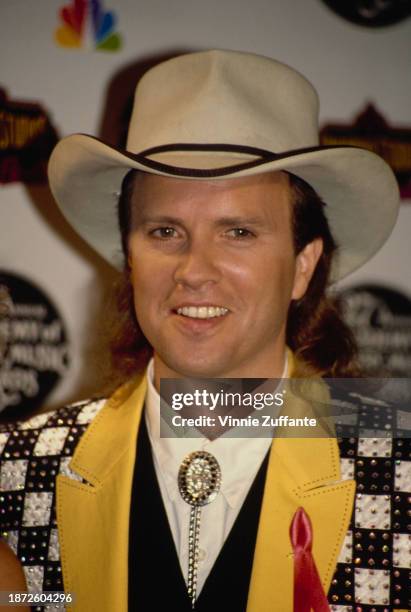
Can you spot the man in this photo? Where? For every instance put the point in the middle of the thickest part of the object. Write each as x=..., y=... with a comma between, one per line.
x=227, y=248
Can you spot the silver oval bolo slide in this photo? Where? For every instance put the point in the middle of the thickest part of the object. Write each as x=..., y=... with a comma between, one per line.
x=199, y=481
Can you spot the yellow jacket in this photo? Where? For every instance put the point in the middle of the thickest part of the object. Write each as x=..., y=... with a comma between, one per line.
x=93, y=518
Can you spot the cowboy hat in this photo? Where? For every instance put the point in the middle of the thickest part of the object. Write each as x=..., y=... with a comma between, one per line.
x=221, y=114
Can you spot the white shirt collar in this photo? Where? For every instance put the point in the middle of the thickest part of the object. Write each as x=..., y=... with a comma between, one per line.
x=239, y=458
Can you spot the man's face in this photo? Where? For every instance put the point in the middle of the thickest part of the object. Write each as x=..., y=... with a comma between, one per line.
x=213, y=271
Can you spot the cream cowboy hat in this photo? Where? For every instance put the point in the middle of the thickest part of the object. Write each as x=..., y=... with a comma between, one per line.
x=221, y=114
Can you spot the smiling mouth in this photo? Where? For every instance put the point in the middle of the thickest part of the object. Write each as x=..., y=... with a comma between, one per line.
x=202, y=312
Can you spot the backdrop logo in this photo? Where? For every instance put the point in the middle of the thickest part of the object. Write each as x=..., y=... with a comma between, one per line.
x=371, y=131
x=371, y=13
x=34, y=353
x=85, y=24
x=381, y=321
x=26, y=141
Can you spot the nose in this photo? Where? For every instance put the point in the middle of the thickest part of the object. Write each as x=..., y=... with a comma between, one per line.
x=198, y=266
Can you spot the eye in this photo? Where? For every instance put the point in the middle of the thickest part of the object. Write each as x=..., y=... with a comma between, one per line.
x=239, y=233
x=164, y=232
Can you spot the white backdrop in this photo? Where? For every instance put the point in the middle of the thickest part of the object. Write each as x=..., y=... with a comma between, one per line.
x=349, y=65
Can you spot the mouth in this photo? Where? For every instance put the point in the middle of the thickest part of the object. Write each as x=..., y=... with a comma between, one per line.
x=200, y=321
x=202, y=312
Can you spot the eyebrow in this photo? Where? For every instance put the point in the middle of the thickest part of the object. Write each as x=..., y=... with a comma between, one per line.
x=240, y=221
x=153, y=218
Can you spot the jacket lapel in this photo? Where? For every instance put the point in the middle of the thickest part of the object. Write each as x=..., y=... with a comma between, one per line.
x=302, y=472
x=93, y=517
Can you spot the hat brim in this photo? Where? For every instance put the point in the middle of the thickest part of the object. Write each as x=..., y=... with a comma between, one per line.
x=358, y=187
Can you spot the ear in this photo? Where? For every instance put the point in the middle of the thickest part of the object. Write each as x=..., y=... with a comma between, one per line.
x=306, y=262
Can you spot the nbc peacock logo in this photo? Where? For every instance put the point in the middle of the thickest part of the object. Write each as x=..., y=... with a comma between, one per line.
x=84, y=24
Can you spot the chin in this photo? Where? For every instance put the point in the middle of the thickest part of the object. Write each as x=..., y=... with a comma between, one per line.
x=197, y=369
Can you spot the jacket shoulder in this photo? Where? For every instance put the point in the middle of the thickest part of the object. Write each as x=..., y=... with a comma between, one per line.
x=49, y=434
x=32, y=453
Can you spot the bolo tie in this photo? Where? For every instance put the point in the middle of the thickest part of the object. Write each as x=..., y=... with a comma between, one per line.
x=199, y=481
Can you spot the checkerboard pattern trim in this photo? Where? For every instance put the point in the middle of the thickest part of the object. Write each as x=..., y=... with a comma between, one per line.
x=32, y=454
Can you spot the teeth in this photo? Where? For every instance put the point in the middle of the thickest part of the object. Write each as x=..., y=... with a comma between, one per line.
x=202, y=312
